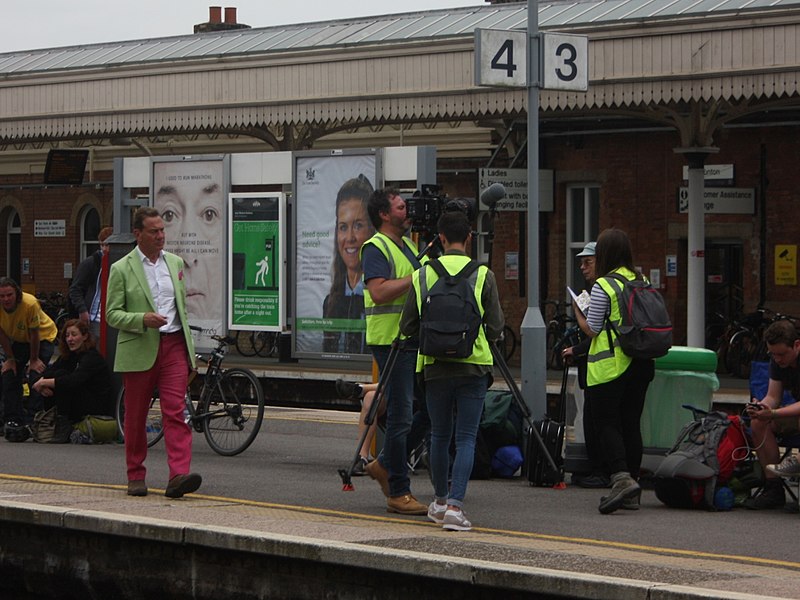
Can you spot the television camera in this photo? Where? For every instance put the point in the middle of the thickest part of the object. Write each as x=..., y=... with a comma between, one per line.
x=426, y=206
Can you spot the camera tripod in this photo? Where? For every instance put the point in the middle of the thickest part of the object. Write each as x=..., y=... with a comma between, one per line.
x=369, y=418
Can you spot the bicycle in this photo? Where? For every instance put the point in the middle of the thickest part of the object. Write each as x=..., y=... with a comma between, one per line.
x=261, y=343
x=562, y=331
x=229, y=409
x=54, y=304
x=508, y=343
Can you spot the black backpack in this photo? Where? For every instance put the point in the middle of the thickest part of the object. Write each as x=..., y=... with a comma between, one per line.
x=645, y=330
x=450, y=318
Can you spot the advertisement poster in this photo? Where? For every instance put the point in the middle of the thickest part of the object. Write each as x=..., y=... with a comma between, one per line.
x=255, y=264
x=331, y=193
x=190, y=195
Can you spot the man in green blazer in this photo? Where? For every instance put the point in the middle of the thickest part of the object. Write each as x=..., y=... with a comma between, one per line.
x=146, y=302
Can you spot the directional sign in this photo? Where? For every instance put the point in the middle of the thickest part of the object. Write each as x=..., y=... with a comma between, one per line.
x=566, y=62
x=501, y=58
x=733, y=201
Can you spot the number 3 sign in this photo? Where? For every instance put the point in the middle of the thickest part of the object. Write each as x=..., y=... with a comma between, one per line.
x=501, y=60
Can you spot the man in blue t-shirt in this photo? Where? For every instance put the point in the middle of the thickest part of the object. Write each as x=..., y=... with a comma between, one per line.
x=769, y=419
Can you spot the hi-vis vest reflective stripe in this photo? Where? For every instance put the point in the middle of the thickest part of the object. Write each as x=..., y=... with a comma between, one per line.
x=383, y=320
x=481, y=353
x=607, y=362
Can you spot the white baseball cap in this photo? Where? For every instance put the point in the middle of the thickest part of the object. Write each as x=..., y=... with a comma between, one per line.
x=588, y=250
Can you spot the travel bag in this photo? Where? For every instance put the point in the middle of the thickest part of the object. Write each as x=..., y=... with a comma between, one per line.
x=544, y=440
x=539, y=470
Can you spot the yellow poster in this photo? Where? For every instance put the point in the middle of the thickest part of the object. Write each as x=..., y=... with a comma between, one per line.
x=785, y=264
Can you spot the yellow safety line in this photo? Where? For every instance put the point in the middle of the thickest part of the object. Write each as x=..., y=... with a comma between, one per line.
x=520, y=534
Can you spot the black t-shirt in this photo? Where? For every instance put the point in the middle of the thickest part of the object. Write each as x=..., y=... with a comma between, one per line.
x=788, y=376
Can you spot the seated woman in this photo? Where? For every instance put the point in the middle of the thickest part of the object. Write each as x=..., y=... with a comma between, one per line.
x=79, y=381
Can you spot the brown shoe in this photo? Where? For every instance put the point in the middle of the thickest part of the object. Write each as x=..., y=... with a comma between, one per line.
x=379, y=473
x=183, y=484
x=406, y=505
x=137, y=488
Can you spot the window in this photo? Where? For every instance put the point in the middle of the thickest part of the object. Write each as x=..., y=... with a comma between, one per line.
x=90, y=229
x=14, y=247
x=583, y=224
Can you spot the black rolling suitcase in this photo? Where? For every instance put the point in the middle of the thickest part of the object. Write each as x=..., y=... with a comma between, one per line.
x=537, y=468
x=543, y=460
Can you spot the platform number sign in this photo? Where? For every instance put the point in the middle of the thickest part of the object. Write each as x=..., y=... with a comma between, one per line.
x=565, y=62
x=501, y=58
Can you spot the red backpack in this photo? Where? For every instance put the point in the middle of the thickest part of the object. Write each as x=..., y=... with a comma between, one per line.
x=702, y=460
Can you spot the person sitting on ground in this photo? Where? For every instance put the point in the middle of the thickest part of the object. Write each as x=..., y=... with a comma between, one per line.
x=769, y=419
x=366, y=393
x=79, y=381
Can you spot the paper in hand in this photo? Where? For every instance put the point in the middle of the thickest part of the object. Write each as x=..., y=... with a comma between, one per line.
x=582, y=300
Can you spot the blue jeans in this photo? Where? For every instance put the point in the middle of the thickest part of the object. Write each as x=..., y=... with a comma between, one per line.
x=13, y=409
x=399, y=411
x=460, y=398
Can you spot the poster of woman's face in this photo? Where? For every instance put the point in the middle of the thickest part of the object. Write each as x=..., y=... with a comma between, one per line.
x=332, y=225
x=190, y=195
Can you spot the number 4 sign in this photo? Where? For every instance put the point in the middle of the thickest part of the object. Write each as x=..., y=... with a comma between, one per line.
x=501, y=59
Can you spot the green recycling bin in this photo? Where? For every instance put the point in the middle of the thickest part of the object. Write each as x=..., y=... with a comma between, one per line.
x=684, y=376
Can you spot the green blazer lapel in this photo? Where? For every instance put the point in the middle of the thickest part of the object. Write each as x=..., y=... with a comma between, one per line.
x=137, y=270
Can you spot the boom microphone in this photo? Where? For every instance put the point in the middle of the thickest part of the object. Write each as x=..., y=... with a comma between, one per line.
x=492, y=194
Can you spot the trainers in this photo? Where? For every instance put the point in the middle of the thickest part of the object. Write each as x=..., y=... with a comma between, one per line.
x=379, y=473
x=359, y=468
x=631, y=503
x=436, y=512
x=405, y=505
x=623, y=487
x=455, y=520
x=771, y=496
x=348, y=389
x=788, y=467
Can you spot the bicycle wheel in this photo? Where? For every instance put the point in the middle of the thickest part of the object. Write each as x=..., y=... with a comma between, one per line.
x=265, y=343
x=739, y=353
x=245, y=343
x=155, y=431
x=61, y=320
x=232, y=412
x=508, y=344
x=553, y=349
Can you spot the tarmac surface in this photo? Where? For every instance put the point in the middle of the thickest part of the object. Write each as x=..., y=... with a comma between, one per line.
x=281, y=492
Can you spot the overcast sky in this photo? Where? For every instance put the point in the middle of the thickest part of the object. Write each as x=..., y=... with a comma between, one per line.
x=30, y=24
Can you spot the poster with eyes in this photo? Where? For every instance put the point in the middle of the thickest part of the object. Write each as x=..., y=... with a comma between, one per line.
x=190, y=195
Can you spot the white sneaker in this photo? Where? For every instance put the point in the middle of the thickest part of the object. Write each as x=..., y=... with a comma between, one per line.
x=788, y=467
x=436, y=512
x=455, y=520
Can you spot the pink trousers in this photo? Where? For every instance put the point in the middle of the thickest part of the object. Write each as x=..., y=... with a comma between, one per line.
x=170, y=374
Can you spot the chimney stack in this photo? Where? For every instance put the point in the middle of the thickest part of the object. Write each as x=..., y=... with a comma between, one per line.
x=215, y=22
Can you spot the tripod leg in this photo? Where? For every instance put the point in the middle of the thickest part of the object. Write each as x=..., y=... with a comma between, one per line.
x=369, y=418
x=500, y=362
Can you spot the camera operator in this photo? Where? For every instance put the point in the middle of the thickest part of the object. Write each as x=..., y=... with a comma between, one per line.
x=388, y=259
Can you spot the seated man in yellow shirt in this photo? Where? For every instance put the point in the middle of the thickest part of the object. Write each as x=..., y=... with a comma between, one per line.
x=27, y=336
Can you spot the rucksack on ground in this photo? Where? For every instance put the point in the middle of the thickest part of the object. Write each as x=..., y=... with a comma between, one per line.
x=450, y=318
x=702, y=460
x=645, y=330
